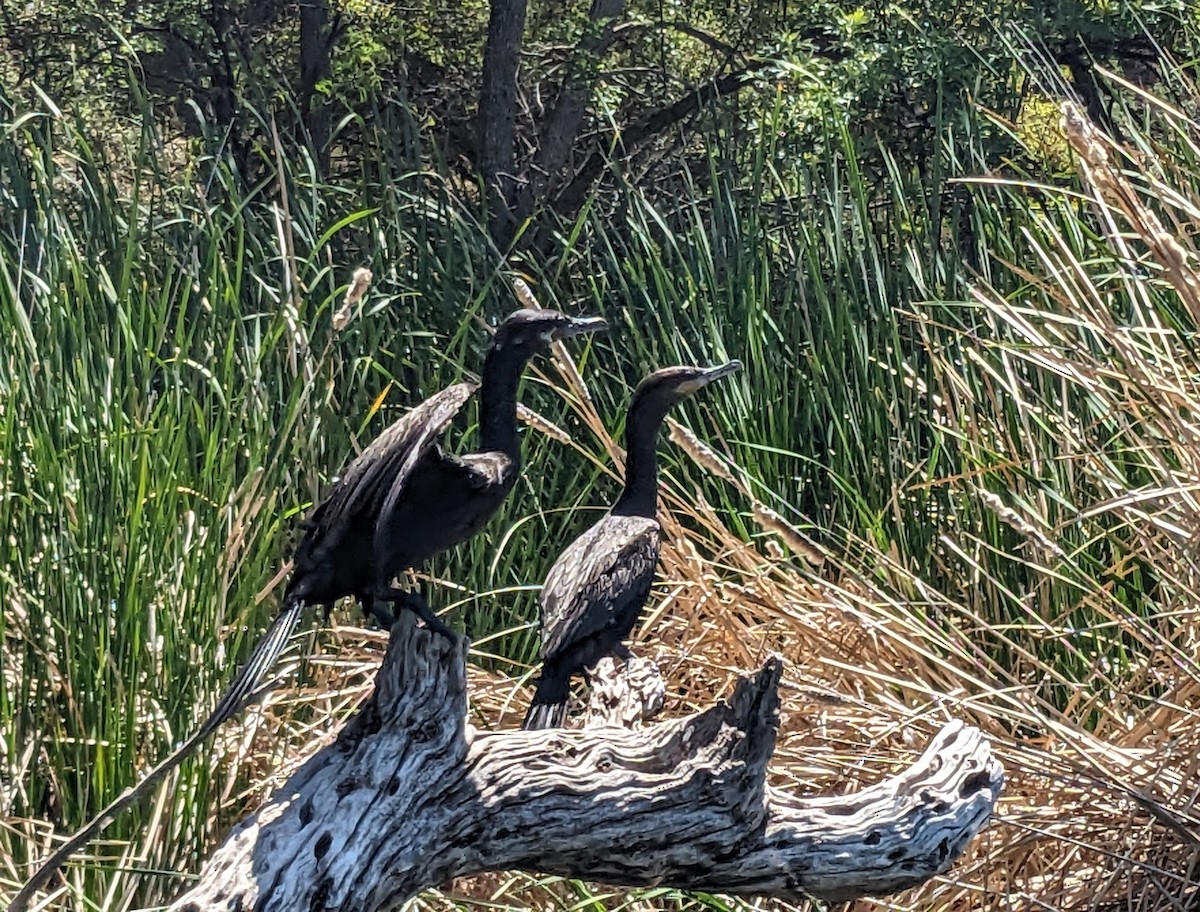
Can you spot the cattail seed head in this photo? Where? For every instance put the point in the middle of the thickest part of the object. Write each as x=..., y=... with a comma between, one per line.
x=545, y=425
x=525, y=294
x=771, y=521
x=1172, y=252
x=700, y=452
x=359, y=283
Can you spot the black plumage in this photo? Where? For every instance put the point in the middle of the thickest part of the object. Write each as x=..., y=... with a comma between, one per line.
x=401, y=501
x=595, y=591
x=405, y=498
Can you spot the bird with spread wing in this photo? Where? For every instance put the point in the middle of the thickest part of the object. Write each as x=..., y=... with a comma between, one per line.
x=401, y=501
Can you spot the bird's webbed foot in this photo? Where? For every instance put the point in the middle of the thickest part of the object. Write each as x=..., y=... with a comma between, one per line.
x=415, y=602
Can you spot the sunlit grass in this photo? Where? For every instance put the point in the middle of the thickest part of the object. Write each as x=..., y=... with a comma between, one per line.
x=959, y=476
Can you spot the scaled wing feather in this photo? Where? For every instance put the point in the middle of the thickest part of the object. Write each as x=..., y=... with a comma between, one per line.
x=600, y=577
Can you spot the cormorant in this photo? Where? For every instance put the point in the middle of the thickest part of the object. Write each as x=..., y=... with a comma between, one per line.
x=405, y=499
x=401, y=501
x=596, y=589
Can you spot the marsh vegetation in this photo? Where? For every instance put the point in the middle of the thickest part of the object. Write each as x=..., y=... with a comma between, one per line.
x=958, y=477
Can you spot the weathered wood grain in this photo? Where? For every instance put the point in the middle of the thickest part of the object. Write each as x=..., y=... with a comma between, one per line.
x=409, y=796
x=625, y=694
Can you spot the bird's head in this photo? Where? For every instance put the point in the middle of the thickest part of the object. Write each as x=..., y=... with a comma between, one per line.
x=663, y=388
x=528, y=331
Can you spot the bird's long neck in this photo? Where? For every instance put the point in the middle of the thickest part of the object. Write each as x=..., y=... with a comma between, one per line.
x=640, y=497
x=498, y=403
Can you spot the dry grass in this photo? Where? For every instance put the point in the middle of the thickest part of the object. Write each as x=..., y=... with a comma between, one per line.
x=1090, y=704
x=1100, y=807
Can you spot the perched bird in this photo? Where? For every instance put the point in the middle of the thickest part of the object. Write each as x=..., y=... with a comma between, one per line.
x=405, y=499
x=401, y=501
x=596, y=589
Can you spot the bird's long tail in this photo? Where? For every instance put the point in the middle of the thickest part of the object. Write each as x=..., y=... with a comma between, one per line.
x=254, y=673
x=549, y=706
x=246, y=686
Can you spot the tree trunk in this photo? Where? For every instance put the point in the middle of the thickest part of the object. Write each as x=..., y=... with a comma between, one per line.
x=316, y=47
x=410, y=796
x=556, y=140
x=498, y=114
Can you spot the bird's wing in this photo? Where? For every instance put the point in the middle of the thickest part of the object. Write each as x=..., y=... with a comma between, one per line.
x=379, y=471
x=436, y=414
x=598, y=581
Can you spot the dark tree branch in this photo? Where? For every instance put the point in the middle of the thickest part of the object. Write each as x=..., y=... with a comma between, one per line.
x=556, y=138
x=572, y=196
x=684, y=28
x=410, y=795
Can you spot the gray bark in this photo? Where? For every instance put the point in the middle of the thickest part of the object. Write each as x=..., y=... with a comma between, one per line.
x=625, y=694
x=557, y=138
x=498, y=112
x=410, y=796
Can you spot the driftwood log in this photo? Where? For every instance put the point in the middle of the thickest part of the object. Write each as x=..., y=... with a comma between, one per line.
x=410, y=796
x=626, y=695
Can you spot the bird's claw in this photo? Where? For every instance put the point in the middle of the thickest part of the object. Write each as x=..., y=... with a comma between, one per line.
x=415, y=602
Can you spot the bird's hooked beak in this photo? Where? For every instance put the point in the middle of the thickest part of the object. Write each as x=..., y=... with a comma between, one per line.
x=702, y=378
x=716, y=373
x=579, y=326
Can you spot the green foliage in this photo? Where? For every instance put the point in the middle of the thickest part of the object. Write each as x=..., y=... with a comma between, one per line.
x=894, y=65
x=172, y=397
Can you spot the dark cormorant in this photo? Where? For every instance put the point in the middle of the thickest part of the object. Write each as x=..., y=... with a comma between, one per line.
x=405, y=499
x=596, y=589
x=399, y=502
